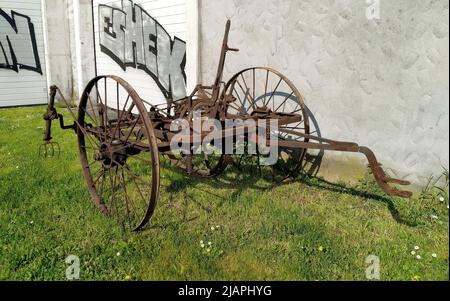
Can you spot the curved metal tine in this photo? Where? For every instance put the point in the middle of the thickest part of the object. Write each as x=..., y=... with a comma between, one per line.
x=42, y=154
x=59, y=149
x=47, y=150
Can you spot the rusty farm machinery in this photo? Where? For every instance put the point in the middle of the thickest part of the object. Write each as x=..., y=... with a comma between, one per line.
x=121, y=136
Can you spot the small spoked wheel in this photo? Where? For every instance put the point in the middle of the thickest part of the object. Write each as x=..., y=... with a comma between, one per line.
x=264, y=93
x=118, y=151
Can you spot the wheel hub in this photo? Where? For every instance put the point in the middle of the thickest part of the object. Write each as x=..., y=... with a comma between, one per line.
x=112, y=154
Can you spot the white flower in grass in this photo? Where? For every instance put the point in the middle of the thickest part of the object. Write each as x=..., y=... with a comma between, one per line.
x=416, y=248
x=419, y=257
x=413, y=253
x=441, y=199
x=212, y=228
x=435, y=217
x=208, y=250
x=209, y=243
x=31, y=222
x=118, y=253
x=434, y=255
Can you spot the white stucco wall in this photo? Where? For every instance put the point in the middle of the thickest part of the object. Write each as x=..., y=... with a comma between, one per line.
x=382, y=83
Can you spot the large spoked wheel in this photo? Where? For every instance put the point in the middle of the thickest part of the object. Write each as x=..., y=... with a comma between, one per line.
x=118, y=151
x=264, y=93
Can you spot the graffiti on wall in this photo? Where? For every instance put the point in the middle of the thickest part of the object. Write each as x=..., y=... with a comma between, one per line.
x=18, y=48
x=132, y=38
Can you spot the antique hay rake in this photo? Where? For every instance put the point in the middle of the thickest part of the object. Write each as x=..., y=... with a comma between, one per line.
x=121, y=136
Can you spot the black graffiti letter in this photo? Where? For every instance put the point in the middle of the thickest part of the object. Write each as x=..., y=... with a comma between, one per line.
x=17, y=40
x=112, y=33
x=132, y=38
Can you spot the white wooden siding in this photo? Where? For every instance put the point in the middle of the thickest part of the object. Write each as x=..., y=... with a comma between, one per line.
x=172, y=15
x=24, y=87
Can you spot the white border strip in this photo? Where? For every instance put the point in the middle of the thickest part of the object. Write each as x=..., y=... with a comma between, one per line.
x=192, y=51
x=76, y=22
x=44, y=31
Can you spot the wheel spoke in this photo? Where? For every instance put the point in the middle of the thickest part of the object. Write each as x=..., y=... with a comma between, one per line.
x=101, y=174
x=120, y=118
x=273, y=92
x=93, y=109
x=247, y=96
x=254, y=87
x=128, y=200
x=283, y=104
x=132, y=129
x=112, y=198
x=265, y=88
x=135, y=178
x=90, y=117
x=238, y=95
x=246, y=86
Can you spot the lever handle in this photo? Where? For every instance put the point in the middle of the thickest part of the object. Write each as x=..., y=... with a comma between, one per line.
x=232, y=49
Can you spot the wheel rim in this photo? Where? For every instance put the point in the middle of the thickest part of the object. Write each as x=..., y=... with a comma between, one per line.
x=258, y=89
x=118, y=151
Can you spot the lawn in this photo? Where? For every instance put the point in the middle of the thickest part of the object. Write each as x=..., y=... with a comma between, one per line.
x=306, y=230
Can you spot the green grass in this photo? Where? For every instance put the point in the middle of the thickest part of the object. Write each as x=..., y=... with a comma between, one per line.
x=263, y=234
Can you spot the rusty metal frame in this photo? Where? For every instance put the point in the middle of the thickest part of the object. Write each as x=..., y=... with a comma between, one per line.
x=154, y=127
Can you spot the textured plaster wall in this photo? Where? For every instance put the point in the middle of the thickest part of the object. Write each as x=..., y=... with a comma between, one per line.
x=382, y=83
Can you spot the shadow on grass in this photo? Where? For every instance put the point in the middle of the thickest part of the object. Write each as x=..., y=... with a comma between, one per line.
x=238, y=182
x=340, y=188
